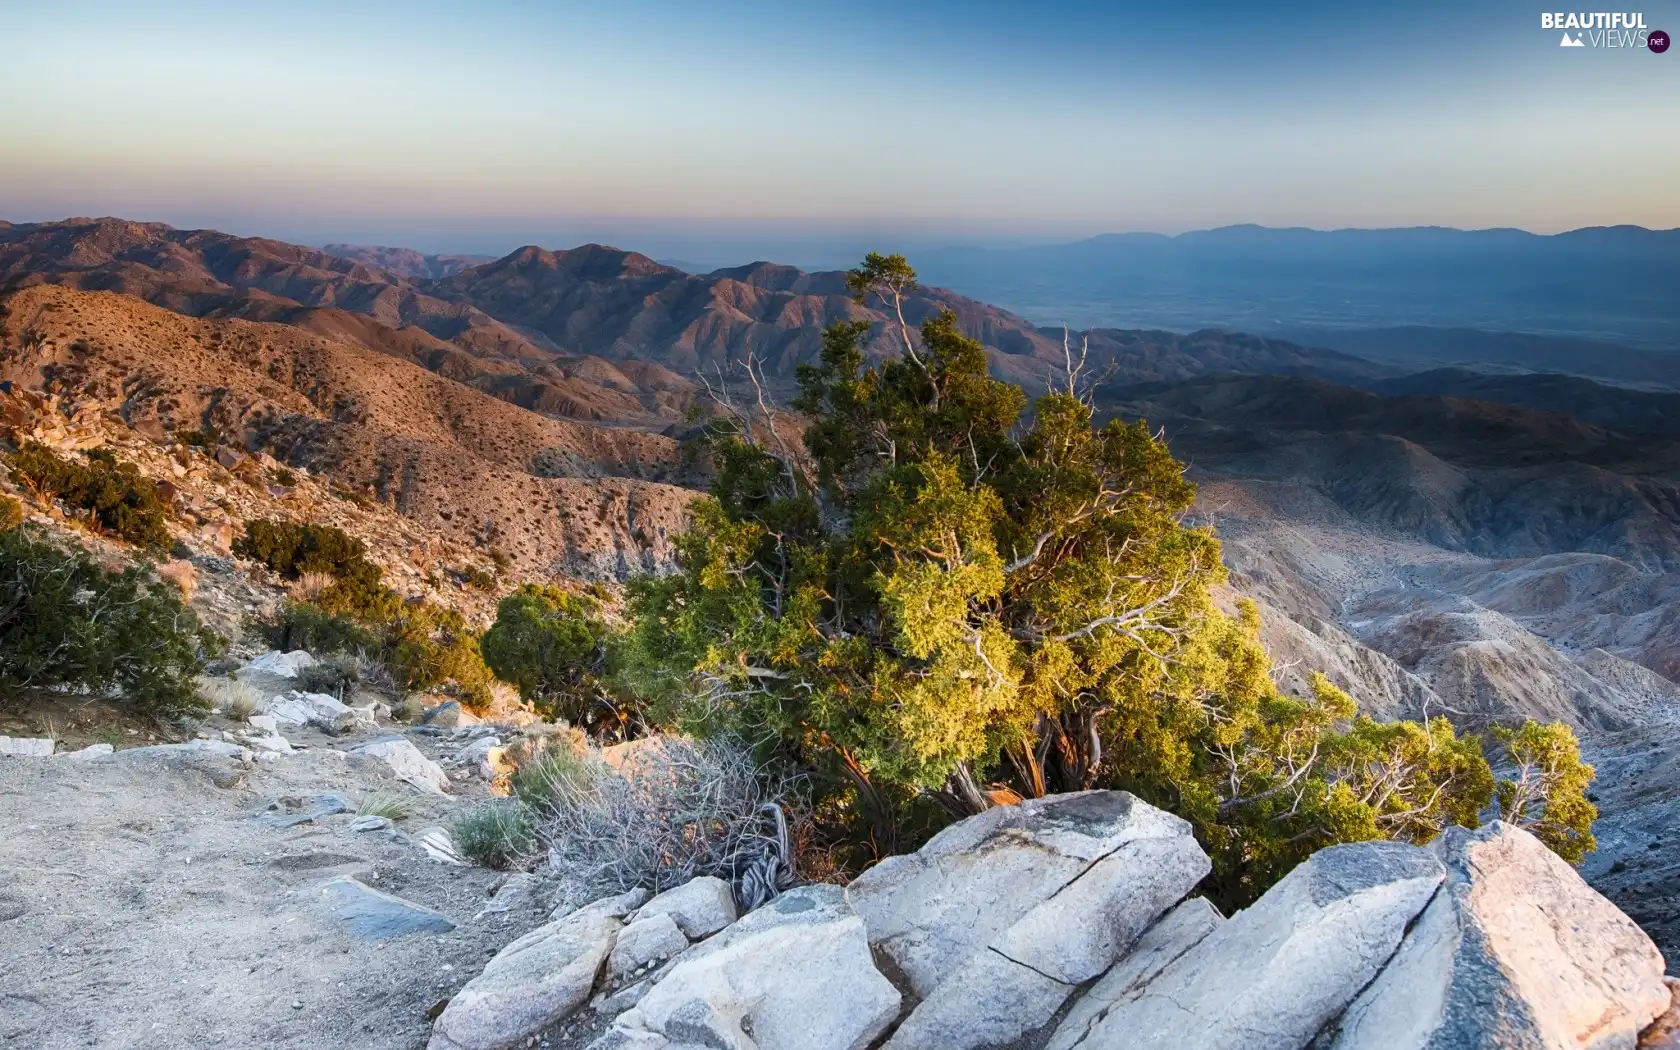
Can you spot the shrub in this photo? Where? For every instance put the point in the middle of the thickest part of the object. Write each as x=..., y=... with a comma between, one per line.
x=291, y=549
x=496, y=835
x=11, y=514
x=391, y=806
x=300, y=625
x=335, y=674
x=478, y=579
x=552, y=645
x=236, y=700
x=65, y=622
x=115, y=497
x=686, y=809
x=553, y=770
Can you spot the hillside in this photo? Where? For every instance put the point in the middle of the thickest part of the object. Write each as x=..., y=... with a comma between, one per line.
x=552, y=494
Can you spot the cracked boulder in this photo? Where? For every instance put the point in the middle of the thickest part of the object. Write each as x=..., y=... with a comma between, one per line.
x=794, y=975
x=998, y=919
x=1515, y=951
x=1275, y=974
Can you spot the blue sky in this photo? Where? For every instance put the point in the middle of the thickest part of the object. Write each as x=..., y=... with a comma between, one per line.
x=668, y=125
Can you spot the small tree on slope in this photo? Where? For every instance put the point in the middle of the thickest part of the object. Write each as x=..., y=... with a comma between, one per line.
x=944, y=599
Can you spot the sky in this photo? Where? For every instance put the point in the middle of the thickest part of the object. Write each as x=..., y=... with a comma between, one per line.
x=708, y=127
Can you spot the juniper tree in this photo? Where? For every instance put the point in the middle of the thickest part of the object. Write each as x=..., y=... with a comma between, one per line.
x=944, y=596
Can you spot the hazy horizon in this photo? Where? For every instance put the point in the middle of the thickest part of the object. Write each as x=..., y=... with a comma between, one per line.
x=660, y=124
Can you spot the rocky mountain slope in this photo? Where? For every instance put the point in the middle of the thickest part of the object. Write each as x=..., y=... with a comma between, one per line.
x=551, y=494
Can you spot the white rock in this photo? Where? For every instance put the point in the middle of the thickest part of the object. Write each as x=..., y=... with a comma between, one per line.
x=932, y=910
x=536, y=981
x=1276, y=973
x=270, y=743
x=281, y=665
x=796, y=972
x=475, y=752
x=264, y=723
x=1515, y=951
x=1174, y=934
x=26, y=747
x=407, y=762
x=370, y=822
x=91, y=751
x=438, y=846
x=219, y=748
x=298, y=708
x=653, y=939
x=700, y=907
x=1072, y=928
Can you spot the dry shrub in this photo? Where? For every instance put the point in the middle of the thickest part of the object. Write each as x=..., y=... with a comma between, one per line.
x=182, y=575
x=234, y=699
x=686, y=809
x=309, y=586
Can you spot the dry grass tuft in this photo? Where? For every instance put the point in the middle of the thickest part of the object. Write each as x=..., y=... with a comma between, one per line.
x=183, y=575
x=310, y=586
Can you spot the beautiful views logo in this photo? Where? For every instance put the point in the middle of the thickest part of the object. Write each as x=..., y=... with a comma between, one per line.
x=1619, y=29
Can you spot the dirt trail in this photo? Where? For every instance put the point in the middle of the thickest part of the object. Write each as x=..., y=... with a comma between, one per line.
x=145, y=903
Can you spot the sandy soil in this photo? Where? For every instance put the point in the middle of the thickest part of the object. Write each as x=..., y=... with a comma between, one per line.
x=145, y=903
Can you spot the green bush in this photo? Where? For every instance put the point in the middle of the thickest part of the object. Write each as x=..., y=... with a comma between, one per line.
x=115, y=497
x=11, y=514
x=291, y=549
x=336, y=674
x=65, y=622
x=495, y=835
x=478, y=578
x=552, y=645
x=300, y=625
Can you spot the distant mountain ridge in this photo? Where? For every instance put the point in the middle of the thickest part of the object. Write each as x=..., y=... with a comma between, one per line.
x=1608, y=283
x=593, y=332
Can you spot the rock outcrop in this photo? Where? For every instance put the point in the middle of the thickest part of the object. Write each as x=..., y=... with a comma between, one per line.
x=1515, y=951
x=1063, y=923
x=999, y=919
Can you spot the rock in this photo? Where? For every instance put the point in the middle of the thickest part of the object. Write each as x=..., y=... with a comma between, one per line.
x=278, y=664
x=619, y=907
x=623, y=999
x=448, y=715
x=370, y=713
x=536, y=981
x=1075, y=879
x=218, y=748
x=374, y=916
x=475, y=752
x=370, y=822
x=700, y=907
x=274, y=744
x=438, y=846
x=1276, y=973
x=518, y=892
x=1664, y=1033
x=407, y=762
x=1173, y=934
x=627, y=1039
x=26, y=747
x=264, y=723
x=290, y=812
x=1515, y=951
x=317, y=709
x=91, y=751
x=796, y=973
x=653, y=939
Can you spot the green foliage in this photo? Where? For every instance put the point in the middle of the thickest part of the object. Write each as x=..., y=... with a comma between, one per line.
x=478, y=578
x=11, y=514
x=553, y=771
x=426, y=645
x=552, y=644
x=335, y=674
x=946, y=591
x=292, y=549
x=115, y=497
x=1548, y=791
x=495, y=835
x=300, y=625
x=65, y=622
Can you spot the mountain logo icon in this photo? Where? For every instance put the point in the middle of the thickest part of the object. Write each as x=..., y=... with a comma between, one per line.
x=1571, y=41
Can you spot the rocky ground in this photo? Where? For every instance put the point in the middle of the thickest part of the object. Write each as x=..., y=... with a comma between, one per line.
x=176, y=896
